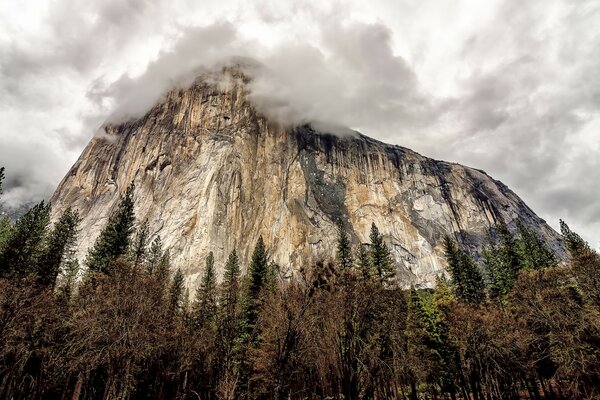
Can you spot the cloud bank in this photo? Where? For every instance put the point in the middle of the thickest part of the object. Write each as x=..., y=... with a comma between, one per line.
x=509, y=87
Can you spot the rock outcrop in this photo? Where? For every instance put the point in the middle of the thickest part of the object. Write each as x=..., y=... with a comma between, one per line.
x=211, y=174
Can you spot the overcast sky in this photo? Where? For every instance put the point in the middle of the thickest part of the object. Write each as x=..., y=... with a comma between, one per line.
x=511, y=87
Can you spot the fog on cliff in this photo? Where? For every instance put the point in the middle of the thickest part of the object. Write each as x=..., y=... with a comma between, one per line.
x=505, y=86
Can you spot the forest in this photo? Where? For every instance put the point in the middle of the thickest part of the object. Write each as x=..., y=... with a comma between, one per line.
x=519, y=322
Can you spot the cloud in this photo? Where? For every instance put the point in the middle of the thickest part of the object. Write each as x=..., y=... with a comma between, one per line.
x=506, y=86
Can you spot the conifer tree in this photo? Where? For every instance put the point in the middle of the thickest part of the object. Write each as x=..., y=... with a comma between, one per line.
x=533, y=252
x=230, y=287
x=23, y=247
x=206, y=295
x=257, y=279
x=381, y=259
x=574, y=243
x=154, y=256
x=364, y=261
x=502, y=261
x=139, y=249
x=176, y=292
x=115, y=239
x=59, y=248
x=467, y=280
x=344, y=251
x=66, y=280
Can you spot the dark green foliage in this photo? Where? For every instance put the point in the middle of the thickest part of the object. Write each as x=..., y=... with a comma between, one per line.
x=574, y=243
x=115, y=239
x=230, y=279
x=205, y=302
x=381, y=259
x=176, y=292
x=59, y=248
x=24, y=245
x=139, y=248
x=467, y=280
x=258, y=269
x=344, y=250
x=364, y=261
x=502, y=262
x=533, y=252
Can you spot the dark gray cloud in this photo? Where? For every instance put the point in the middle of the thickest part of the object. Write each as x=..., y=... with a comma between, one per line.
x=510, y=87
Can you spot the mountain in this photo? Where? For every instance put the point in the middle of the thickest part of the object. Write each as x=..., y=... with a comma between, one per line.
x=212, y=174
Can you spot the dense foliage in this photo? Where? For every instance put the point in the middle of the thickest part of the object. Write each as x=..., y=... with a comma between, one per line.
x=518, y=325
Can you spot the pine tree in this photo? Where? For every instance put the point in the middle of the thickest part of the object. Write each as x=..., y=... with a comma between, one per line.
x=66, y=280
x=23, y=247
x=114, y=240
x=176, y=292
x=364, y=261
x=257, y=279
x=230, y=286
x=502, y=261
x=344, y=251
x=467, y=280
x=205, y=305
x=154, y=256
x=574, y=243
x=533, y=252
x=381, y=259
x=139, y=249
x=59, y=248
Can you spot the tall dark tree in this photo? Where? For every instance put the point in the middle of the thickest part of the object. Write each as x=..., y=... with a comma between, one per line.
x=381, y=259
x=467, y=280
x=533, y=252
x=176, y=292
x=1, y=180
x=24, y=245
x=344, y=250
x=205, y=301
x=115, y=239
x=502, y=261
x=364, y=261
x=257, y=279
x=574, y=243
x=59, y=248
x=139, y=248
x=230, y=287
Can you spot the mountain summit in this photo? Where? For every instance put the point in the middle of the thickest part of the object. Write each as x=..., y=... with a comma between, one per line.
x=212, y=174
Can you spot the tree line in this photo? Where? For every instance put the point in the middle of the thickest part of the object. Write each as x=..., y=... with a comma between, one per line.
x=518, y=323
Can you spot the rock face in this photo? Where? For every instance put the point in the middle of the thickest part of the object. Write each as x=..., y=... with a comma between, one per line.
x=211, y=174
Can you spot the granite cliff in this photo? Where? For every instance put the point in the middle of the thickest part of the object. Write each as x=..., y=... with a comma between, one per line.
x=212, y=174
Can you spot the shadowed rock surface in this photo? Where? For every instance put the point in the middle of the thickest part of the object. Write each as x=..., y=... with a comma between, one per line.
x=211, y=174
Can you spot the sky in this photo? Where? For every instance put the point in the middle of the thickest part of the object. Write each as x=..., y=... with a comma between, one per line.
x=508, y=86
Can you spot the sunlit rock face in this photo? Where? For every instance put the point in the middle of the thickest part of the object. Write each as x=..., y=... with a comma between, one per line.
x=211, y=174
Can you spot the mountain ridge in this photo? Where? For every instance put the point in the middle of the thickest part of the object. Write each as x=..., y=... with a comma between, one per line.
x=202, y=158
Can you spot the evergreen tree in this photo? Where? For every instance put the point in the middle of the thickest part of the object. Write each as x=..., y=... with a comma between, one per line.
x=574, y=243
x=176, y=292
x=381, y=259
x=257, y=279
x=23, y=247
x=230, y=286
x=59, y=248
x=344, y=251
x=502, y=261
x=66, y=280
x=364, y=261
x=139, y=249
x=154, y=256
x=114, y=240
x=205, y=306
x=467, y=280
x=532, y=250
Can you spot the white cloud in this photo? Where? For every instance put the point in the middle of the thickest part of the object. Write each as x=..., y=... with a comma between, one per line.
x=507, y=86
